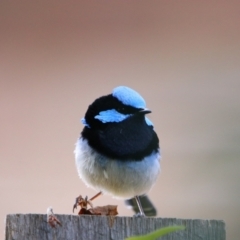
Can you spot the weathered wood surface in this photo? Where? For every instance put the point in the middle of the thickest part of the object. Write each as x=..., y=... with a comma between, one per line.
x=34, y=226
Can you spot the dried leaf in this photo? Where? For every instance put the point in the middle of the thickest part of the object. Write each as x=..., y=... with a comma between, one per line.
x=108, y=210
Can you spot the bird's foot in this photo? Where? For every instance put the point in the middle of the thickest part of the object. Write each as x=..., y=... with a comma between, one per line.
x=139, y=215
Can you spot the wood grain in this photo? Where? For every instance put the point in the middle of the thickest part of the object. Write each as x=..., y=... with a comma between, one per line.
x=34, y=226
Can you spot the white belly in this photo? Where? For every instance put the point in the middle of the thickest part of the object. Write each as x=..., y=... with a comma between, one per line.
x=121, y=179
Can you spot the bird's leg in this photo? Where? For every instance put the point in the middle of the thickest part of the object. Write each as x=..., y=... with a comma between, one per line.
x=141, y=212
x=95, y=196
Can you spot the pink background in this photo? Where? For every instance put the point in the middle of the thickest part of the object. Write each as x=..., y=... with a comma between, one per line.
x=56, y=57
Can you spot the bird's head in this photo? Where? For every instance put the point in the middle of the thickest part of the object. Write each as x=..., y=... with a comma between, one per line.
x=116, y=107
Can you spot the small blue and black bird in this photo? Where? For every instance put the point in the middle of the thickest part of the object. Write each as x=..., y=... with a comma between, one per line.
x=118, y=150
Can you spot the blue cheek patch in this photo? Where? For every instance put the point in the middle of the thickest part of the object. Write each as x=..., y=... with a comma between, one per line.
x=111, y=116
x=148, y=122
x=129, y=97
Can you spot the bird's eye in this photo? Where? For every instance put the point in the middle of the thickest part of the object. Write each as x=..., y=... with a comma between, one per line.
x=121, y=109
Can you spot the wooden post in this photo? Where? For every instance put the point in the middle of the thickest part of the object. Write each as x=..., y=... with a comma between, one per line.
x=34, y=226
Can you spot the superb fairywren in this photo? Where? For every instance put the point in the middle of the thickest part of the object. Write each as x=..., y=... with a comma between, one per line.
x=118, y=150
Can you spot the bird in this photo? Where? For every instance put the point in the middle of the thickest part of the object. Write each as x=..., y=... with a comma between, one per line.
x=51, y=218
x=118, y=150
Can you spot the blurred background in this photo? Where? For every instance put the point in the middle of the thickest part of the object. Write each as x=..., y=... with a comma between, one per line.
x=183, y=57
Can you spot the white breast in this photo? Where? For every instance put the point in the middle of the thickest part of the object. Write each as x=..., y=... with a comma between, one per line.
x=121, y=179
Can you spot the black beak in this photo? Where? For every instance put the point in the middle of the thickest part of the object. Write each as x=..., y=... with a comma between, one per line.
x=144, y=111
